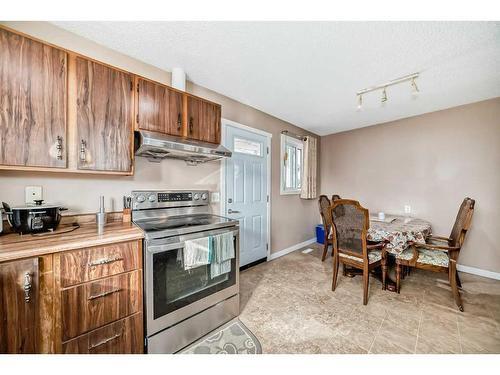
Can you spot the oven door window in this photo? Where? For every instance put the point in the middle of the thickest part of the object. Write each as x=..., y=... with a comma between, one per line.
x=174, y=287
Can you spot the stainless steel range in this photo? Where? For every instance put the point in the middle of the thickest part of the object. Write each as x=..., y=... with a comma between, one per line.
x=182, y=303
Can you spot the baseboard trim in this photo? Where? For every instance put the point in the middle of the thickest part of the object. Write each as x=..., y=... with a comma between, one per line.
x=479, y=272
x=291, y=248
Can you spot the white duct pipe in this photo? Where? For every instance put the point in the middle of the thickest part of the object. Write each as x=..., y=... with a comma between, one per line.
x=179, y=79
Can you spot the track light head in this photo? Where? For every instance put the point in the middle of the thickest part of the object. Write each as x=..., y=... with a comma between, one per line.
x=414, y=88
x=384, y=96
x=360, y=102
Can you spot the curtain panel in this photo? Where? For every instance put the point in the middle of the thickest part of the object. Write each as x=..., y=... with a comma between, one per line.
x=309, y=178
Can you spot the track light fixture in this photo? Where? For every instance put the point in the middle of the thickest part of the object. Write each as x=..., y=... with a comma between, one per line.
x=411, y=77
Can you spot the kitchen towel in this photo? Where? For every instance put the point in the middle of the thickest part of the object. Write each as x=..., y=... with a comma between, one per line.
x=222, y=253
x=197, y=252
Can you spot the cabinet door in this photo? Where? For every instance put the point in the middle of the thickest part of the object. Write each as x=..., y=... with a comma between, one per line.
x=18, y=306
x=159, y=108
x=32, y=103
x=104, y=117
x=203, y=120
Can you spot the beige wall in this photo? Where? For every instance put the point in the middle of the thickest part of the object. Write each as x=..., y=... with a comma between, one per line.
x=292, y=219
x=431, y=162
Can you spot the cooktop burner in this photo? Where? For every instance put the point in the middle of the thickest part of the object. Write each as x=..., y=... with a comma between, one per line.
x=182, y=221
x=174, y=225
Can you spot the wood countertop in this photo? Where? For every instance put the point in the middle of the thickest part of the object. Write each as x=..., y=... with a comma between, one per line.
x=14, y=246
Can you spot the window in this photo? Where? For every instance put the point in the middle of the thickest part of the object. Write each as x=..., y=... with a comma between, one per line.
x=245, y=146
x=291, y=165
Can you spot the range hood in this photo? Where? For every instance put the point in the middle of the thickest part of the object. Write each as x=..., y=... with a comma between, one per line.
x=158, y=146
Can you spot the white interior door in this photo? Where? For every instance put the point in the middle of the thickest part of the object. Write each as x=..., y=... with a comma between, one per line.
x=246, y=197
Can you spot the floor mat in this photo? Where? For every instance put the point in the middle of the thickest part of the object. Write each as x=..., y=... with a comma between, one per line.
x=232, y=338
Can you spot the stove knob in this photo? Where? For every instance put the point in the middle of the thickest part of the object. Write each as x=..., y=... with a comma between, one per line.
x=196, y=196
x=152, y=198
x=204, y=196
x=140, y=198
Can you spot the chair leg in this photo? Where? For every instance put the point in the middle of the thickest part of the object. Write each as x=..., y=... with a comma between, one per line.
x=325, y=250
x=398, y=277
x=366, y=278
x=335, y=270
x=384, y=274
x=459, y=283
x=453, y=282
x=344, y=270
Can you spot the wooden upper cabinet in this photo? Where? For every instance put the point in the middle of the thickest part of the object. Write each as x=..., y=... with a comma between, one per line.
x=33, y=81
x=104, y=117
x=18, y=306
x=159, y=108
x=203, y=120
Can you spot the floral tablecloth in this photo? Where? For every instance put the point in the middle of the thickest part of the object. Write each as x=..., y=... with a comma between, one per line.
x=399, y=232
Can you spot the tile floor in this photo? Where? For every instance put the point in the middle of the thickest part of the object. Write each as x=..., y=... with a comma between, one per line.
x=289, y=305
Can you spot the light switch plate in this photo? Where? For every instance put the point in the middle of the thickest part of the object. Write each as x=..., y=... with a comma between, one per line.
x=32, y=193
x=215, y=197
x=407, y=209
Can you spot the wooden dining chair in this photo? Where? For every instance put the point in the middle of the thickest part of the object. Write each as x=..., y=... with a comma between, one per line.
x=350, y=225
x=440, y=254
x=324, y=205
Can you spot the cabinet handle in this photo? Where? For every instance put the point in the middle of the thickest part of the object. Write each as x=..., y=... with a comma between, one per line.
x=179, y=122
x=83, y=151
x=104, y=294
x=59, y=147
x=27, y=287
x=105, y=341
x=190, y=125
x=103, y=261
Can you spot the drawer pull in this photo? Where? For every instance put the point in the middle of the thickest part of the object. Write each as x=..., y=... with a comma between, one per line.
x=27, y=287
x=104, y=294
x=105, y=341
x=103, y=261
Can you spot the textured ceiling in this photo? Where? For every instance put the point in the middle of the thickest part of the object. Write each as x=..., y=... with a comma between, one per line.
x=307, y=73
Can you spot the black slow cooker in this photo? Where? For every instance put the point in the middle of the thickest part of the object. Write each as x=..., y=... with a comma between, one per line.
x=34, y=218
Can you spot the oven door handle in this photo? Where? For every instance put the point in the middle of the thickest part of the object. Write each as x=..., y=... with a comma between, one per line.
x=180, y=245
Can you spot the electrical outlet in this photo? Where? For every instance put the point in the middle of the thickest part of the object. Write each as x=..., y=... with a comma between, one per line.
x=215, y=197
x=407, y=209
x=32, y=193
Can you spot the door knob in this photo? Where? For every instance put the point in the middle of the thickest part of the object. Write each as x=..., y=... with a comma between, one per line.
x=232, y=212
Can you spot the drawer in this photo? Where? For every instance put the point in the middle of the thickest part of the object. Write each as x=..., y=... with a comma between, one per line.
x=122, y=337
x=95, y=304
x=84, y=265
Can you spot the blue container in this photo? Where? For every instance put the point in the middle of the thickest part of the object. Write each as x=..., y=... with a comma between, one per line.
x=320, y=234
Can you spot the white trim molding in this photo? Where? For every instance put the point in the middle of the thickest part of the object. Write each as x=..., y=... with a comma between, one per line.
x=479, y=272
x=246, y=127
x=291, y=249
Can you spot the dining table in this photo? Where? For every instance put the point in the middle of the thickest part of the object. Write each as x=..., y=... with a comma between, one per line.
x=398, y=232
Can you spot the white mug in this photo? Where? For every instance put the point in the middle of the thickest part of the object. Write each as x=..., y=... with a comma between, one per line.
x=381, y=216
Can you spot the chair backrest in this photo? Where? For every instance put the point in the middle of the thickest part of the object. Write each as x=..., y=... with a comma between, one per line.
x=462, y=222
x=335, y=197
x=324, y=206
x=350, y=222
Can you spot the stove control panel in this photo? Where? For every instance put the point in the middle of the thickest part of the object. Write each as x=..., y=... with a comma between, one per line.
x=168, y=198
x=176, y=197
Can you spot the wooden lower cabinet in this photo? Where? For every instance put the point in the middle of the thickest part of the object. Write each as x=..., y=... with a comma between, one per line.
x=123, y=336
x=78, y=301
x=19, y=306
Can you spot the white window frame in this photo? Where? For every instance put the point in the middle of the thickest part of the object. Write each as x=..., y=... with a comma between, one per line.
x=298, y=144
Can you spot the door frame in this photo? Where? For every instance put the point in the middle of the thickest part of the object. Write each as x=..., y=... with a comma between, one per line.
x=223, y=200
